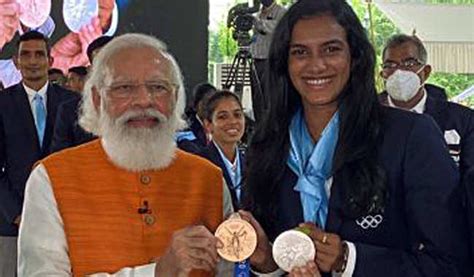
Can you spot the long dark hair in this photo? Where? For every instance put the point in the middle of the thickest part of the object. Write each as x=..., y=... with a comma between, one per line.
x=355, y=161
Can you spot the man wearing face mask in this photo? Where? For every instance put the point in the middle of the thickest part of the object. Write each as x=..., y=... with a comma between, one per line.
x=412, y=56
x=405, y=71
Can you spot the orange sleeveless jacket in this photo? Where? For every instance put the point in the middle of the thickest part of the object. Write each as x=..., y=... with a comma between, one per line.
x=99, y=205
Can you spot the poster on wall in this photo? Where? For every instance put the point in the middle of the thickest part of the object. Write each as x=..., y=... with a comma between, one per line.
x=71, y=25
x=78, y=24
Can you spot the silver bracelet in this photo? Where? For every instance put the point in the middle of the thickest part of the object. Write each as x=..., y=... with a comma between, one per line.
x=345, y=257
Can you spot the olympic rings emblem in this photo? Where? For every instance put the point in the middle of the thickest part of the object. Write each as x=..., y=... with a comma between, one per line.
x=369, y=221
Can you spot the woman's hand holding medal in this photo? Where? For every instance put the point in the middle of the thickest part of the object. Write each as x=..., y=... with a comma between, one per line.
x=302, y=252
x=331, y=251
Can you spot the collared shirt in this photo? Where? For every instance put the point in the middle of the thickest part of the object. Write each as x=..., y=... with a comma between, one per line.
x=42, y=244
x=265, y=22
x=31, y=94
x=233, y=168
x=418, y=108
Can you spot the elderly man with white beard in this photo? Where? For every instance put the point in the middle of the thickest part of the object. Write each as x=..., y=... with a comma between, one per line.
x=129, y=203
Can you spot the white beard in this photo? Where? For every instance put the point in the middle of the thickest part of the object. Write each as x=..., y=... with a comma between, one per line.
x=138, y=149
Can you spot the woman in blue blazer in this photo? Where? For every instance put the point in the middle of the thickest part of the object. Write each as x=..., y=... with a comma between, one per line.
x=226, y=122
x=376, y=186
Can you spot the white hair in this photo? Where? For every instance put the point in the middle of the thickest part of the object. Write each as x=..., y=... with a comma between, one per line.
x=88, y=114
x=138, y=149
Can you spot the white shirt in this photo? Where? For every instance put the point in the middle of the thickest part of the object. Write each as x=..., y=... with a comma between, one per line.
x=233, y=169
x=31, y=94
x=42, y=245
x=418, y=108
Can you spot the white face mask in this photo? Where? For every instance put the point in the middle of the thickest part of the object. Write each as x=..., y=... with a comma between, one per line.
x=403, y=85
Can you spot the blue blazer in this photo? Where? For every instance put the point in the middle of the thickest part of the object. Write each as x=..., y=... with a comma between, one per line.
x=421, y=232
x=452, y=116
x=469, y=188
x=212, y=154
x=67, y=132
x=196, y=127
x=19, y=147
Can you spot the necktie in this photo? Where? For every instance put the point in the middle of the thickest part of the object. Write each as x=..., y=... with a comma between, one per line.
x=40, y=117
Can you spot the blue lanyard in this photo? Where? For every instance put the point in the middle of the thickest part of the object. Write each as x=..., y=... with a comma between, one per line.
x=235, y=176
x=242, y=269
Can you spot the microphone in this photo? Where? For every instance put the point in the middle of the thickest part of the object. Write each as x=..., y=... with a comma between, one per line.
x=144, y=209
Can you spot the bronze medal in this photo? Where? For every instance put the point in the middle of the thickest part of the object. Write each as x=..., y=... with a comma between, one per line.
x=239, y=239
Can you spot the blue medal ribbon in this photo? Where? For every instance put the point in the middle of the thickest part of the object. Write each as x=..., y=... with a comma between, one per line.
x=242, y=269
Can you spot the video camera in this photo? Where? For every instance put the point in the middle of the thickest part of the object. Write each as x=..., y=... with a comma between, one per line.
x=240, y=19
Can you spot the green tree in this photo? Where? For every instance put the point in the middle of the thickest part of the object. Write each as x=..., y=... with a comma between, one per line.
x=215, y=53
x=222, y=48
x=286, y=2
x=227, y=45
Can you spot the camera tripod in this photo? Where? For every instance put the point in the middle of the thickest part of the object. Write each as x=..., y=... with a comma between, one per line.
x=242, y=66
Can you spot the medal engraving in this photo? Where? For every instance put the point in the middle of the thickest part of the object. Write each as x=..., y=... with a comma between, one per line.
x=293, y=248
x=239, y=239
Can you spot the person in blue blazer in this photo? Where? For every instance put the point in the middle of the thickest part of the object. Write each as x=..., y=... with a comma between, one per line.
x=195, y=138
x=67, y=132
x=457, y=124
x=405, y=70
x=27, y=117
x=469, y=188
x=375, y=186
x=224, y=118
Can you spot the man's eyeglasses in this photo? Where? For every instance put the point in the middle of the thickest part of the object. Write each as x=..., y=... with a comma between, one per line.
x=129, y=90
x=407, y=64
